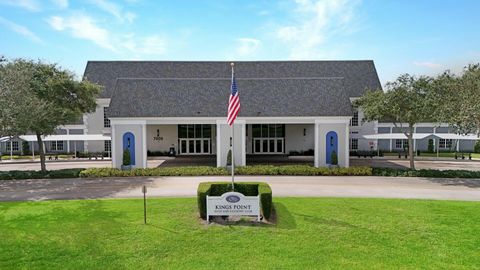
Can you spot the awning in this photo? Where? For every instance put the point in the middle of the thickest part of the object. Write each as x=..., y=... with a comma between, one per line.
x=419, y=136
x=69, y=137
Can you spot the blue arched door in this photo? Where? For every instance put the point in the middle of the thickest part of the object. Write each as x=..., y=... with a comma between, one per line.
x=129, y=143
x=332, y=145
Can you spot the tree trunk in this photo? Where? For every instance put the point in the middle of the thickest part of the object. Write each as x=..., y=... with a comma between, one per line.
x=410, y=148
x=41, y=152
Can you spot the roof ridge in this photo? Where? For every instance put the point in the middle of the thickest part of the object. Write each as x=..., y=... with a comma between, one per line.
x=229, y=78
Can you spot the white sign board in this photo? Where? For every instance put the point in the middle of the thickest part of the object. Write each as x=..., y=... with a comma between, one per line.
x=233, y=204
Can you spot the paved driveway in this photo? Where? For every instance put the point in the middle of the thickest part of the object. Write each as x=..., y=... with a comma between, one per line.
x=301, y=186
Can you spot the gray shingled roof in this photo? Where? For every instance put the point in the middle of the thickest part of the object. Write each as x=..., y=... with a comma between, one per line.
x=358, y=75
x=209, y=97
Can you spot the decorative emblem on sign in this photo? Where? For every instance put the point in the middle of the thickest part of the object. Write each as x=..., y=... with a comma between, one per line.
x=233, y=199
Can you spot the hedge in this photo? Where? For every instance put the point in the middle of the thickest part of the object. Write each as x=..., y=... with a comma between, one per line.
x=425, y=173
x=246, y=188
x=167, y=171
x=64, y=173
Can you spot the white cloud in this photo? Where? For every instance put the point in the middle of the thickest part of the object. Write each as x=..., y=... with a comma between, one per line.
x=114, y=10
x=60, y=3
x=129, y=45
x=430, y=65
x=247, y=46
x=83, y=27
x=315, y=22
x=30, y=5
x=20, y=29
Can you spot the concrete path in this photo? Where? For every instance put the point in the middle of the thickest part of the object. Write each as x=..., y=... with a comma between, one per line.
x=301, y=186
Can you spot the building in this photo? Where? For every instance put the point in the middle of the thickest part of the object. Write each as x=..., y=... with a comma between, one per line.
x=286, y=106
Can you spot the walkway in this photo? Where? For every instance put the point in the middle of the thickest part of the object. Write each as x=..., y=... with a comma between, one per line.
x=301, y=186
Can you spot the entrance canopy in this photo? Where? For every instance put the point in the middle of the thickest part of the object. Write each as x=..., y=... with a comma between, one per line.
x=79, y=137
x=419, y=136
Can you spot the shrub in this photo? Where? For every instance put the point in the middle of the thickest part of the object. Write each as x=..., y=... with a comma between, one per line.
x=246, y=188
x=126, y=158
x=167, y=171
x=301, y=170
x=430, y=146
x=334, y=158
x=64, y=173
x=229, y=157
x=426, y=173
x=476, y=148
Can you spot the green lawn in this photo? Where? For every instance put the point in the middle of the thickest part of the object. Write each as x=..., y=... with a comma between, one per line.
x=311, y=233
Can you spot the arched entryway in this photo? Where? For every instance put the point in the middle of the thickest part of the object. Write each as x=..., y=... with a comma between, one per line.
x=332, y=145
x=129, y=143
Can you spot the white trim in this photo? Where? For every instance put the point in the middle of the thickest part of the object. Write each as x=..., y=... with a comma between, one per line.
x=239, y=120
x=389, y=124
x=144, y=145
x=114, y=152
x=103, y=102
x=74, y=126
x=347, y=148
x=244, y=144
x=219, y=148
x=316, y=158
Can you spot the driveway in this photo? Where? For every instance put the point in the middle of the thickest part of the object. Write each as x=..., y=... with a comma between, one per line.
x=284, y=186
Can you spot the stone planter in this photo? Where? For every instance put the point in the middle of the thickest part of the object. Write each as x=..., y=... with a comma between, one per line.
x=126, y=167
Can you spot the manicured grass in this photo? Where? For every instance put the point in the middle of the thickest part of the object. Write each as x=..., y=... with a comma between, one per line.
x=311, y=233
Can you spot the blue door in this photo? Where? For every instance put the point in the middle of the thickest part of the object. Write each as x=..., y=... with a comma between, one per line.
x=129, y=143
x=332, y=145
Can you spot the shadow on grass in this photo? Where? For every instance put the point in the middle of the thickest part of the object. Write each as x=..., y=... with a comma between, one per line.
x=283, y=217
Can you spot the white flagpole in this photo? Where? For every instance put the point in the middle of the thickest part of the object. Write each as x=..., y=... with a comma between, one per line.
x=233, y=144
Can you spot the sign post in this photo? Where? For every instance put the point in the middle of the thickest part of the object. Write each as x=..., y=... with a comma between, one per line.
x=144, y=191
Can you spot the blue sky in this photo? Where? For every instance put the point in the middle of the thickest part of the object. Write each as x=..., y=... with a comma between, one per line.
x=419, y=37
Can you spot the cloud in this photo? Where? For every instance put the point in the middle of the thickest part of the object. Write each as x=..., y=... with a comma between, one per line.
x=30, y=5
x=316, y=21
x=83, y=27
x=114, y=10
x=247, y=46
x=428, y=65
x=20, y=29
x=61, y=3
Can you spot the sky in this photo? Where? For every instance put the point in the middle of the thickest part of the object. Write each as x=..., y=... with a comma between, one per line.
x=421, y=37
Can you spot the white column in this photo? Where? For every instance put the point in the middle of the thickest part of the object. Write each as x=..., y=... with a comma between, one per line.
x=316, y=161
x=68, y=142
x=144, y=145
x=244, y=144
x=114, y=156
x=219, y=147
x=390, y=140
x=347, y=148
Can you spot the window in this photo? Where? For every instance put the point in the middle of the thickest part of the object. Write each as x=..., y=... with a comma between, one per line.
x=107, y=146
x=14, y=145
x=354, y=120
x=445, y=143
x=401, y=143
x=106, y=121
x=194, y=131
x=268, y=131
x=354, y=144
x=56, y=145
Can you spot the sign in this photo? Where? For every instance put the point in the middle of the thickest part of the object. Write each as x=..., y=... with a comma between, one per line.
x=233, y=204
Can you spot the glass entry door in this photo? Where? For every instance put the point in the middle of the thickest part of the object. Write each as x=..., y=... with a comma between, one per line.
x=194, y=146
x=268, y=145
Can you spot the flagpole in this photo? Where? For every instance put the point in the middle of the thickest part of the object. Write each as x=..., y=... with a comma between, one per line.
x=233, y=144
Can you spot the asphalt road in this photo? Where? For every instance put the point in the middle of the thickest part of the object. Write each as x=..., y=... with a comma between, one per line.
x=296, y=186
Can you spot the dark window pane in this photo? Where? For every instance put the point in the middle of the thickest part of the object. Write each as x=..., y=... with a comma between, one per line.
x=257, y=146
x=183, y=147
x=264, y=131
x=191, y=146
x=272, y=145
x=182, y=131
x=198, y=146
x=198, y=131
x=271, y=131
x=280, y=146
x=280, y=131
x=265, y=146
x=191, y=132
x=207, y=131
x=206, y=147
x=256, y=131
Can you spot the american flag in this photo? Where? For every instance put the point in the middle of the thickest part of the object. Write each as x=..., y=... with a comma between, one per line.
x=234, y=102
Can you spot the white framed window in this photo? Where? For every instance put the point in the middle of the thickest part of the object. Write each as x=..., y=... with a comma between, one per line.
x=14, y=144
x=353, y=144
x=56, y=145
x=401, y=143
x=108, y=146
x=354, y=120
x=445, y=143
x=106, y=121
